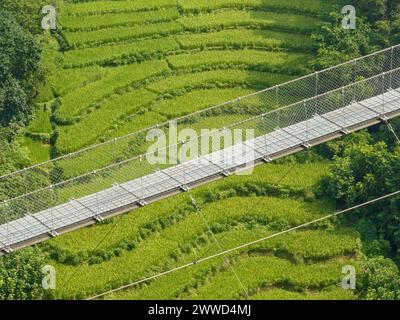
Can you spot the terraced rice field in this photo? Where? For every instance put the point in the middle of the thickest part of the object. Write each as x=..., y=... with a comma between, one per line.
x=127, y=65
x=301, y=265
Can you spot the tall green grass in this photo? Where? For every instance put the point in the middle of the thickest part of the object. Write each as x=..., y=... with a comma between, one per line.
x=263, y=271
x=81, y=100
x=93, y=125
x=197, y=100
x=183, y=284
x=219, y=77
x=335, y=293
x=41, y=121
x=68, y=80
x=37, y=151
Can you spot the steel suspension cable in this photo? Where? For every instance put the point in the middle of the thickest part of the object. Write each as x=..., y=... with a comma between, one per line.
x=391, y=129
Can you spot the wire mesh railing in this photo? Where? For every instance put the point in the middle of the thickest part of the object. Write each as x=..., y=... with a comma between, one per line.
x=117, y=151
x=299, y=113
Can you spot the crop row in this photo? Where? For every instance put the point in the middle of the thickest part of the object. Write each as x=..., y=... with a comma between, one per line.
x=108, y=153
x=259, y=19
x=185, y=97
x=111, y=152
x=72, y=104
x=238, y=76
x=281, y=62
x=246, y=37
x=117, y=34
x=312, y=7
x=107, y=20
x=130, y=124
x=69, y=80
x=120, y=53
x=150, y=49
x=89, y=128
x=263, y=271
x=71, y=137
x=262, y=182
x=182, y=284
x=335, y=293
x=197, y=100
x=100, y=7
x=175, y=284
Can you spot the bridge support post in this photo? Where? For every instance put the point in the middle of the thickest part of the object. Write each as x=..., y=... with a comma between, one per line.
x=306, y=143
x=344, y=127
x=391, y=67
x=383, y=95
x=6, y=247
x=52, y=232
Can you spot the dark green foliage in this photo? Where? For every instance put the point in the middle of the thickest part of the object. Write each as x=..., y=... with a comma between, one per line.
x=383, y=133
x=362, y=171
x=19, y=66
x=27, y=13
x=372, y=246
x=13, y=102
x=372, y=9
x=384, y=17
x=338, y=45
x=378, y=26
x=11, y=156
x=378, y=279
x=21, y=276
x=20, y=272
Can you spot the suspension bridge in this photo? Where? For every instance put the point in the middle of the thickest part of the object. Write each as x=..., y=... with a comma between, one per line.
x=286, y=119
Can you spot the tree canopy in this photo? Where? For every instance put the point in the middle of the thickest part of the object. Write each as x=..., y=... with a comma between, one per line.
x=363, y=169
x=21, y=275
x=378, y=279
x=19, y=66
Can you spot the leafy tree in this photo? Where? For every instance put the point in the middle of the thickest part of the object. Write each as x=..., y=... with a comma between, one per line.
x=383, y=15
x=27, y=13
x=378, y=26
x=378, y=279
x=21, y=275
x=338, y=45
x=11, y=156
x=19, y=67
x=373, y=9
x=362, y=171
x=13, y=102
